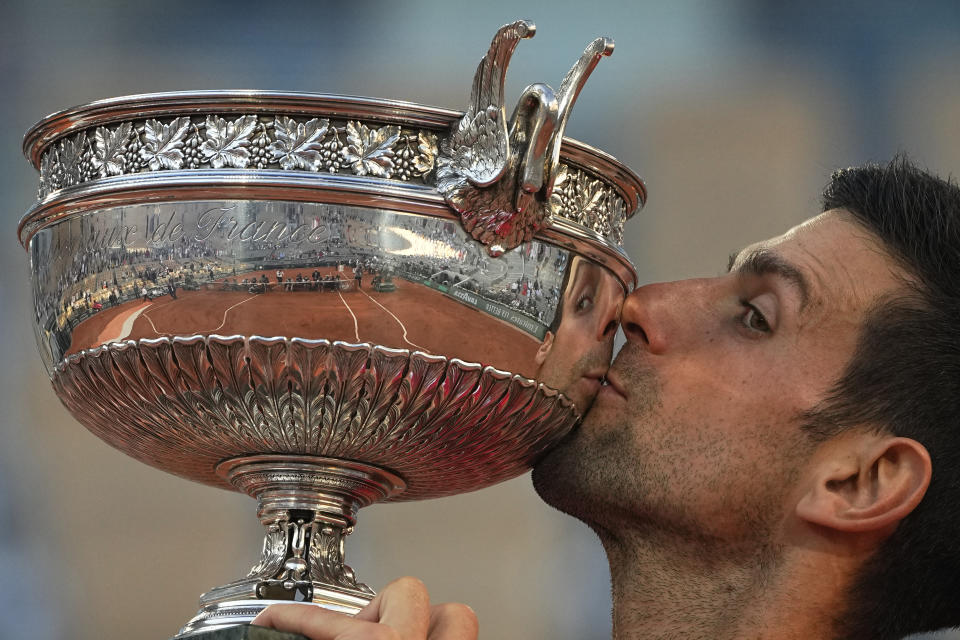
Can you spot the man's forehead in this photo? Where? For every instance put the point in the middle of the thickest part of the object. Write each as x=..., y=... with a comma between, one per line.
x=807, y=227
x=821, y=235
x=838, y=256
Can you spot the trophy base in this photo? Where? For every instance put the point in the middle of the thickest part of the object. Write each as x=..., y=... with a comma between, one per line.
x=308, y=505
x=224, y=616
x=242, y=632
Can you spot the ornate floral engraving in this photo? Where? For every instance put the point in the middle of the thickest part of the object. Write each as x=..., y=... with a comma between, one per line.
x=563, y=189
x=226, y=143
x=301, y=559
x=71, y=159
x=260, y=148
x=370, y=151
x=417, y=389
x=193, y=156
x=618, y=217
x=590, y=202
x=587, y=200
x=161, y=149
x=427, y=146
x=49, y=173
x=415, y=156
x=345, y=390
x=603, y=216
x=110, y=149
x=299, y=145
x=383, y=379
x=326, y=561
x=391, y=152
x=300, y=554
x=133, y=161
x=187, y=403
x=273, y=552
x=332, y=159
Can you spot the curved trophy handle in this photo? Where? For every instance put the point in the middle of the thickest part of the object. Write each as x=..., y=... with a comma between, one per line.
x=569, y=91
x=500, y=178
x=486, y=116
x=535, y=121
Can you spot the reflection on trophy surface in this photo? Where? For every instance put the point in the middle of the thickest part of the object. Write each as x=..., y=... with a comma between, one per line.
x=578, y=345
x=326, y=302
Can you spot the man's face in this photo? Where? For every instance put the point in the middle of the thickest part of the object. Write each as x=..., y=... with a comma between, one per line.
x=699, y=432
x=575, y=358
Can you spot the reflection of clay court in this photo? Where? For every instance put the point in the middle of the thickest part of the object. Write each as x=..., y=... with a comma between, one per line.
x=413, y=317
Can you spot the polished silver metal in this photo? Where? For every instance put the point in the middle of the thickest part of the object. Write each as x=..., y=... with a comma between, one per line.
x=186, y=404
x=327, y=302
x=308, y=505
x=500, y=175
x=392, y=154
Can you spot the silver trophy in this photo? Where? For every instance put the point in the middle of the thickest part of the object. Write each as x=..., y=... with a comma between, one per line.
x=326, y=302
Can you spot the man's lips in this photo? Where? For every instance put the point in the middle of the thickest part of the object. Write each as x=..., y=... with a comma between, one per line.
x=613, y=384
x=595, y=378
x=596, y=374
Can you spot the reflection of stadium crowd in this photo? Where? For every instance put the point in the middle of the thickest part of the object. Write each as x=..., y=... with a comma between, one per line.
x=71, y=284
x=534, y=295
x=300, y=282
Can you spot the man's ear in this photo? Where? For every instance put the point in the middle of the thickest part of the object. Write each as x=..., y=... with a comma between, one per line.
x=866, y=483
x=544, y=349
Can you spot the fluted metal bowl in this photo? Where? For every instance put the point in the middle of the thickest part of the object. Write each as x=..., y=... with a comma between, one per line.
x=256, y=253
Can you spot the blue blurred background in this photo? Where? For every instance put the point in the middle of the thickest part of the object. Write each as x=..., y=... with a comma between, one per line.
x=734, y=112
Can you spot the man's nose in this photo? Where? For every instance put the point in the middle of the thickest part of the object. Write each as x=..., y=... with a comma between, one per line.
x=659, y=315
x=609, y=318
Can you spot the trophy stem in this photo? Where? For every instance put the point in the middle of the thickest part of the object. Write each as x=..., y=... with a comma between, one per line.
x=308, y=505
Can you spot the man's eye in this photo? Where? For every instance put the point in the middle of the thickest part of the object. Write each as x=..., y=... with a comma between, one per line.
x=584, y=303
x=754, y=320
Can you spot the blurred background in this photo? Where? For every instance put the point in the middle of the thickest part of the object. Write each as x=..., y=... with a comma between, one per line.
x=735, y=113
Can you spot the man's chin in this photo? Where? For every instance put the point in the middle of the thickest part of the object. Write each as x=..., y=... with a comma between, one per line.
x=584, y=474
x=555, y=476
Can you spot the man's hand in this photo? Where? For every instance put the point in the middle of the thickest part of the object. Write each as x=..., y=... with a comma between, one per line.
x=401, y=611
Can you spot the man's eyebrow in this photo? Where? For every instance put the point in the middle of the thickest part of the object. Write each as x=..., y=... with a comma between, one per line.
x=763, y=262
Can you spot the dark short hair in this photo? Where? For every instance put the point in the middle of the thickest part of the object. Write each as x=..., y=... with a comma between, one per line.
x=561, y=300
x=904, y=379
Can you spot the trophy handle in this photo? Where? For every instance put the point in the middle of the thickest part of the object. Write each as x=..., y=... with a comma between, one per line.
x=499, y=178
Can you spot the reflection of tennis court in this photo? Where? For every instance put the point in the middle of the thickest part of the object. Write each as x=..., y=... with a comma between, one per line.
x=413, y=317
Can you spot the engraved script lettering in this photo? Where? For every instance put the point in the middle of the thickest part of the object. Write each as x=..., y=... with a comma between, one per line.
x=167, y=231
x=220, y=220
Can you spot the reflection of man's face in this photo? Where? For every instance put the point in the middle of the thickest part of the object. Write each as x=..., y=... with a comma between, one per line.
x=576, y=356
x=700, y=429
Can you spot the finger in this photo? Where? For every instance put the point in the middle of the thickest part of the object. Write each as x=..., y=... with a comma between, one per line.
x=371, y=612
x=404, y=605
x=312, y=621
x=453, y=621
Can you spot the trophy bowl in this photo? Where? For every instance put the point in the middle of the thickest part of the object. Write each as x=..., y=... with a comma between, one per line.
x=326, y=301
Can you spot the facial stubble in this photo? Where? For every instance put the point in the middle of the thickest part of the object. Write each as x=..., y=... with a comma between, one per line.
x=591, y=471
